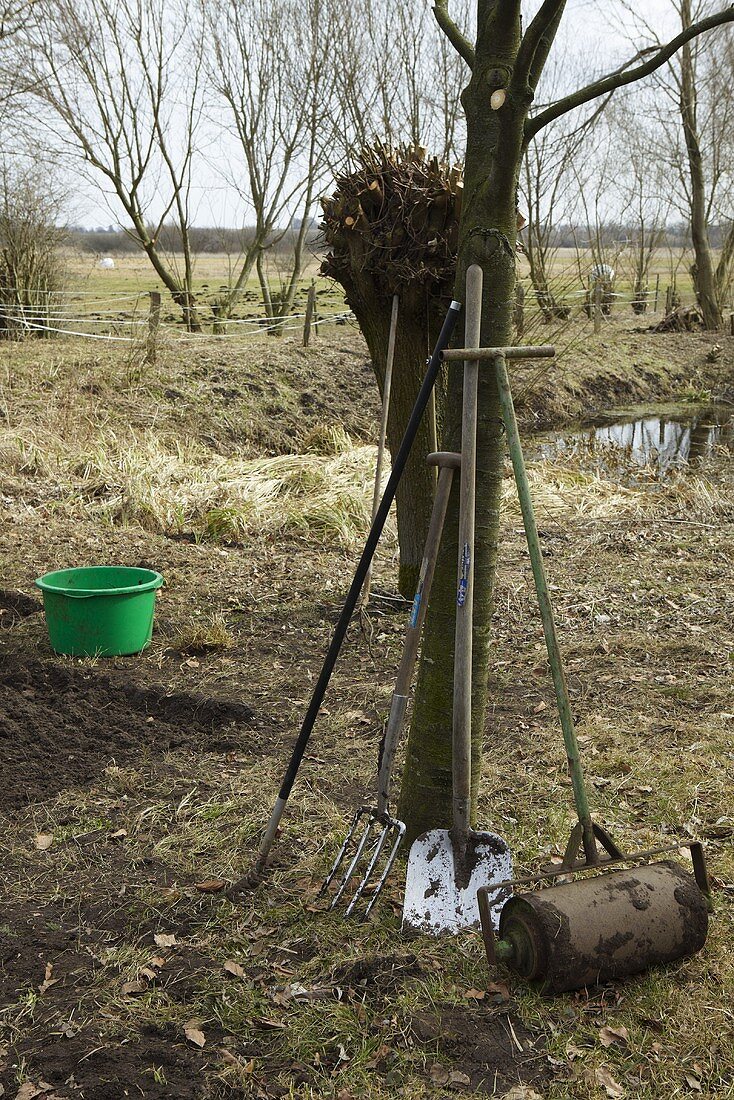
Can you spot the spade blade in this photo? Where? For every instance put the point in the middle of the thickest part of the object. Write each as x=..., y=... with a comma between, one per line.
x=442, y=882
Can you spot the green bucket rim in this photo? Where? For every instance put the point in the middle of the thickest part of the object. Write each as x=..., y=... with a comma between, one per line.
x=45, y=583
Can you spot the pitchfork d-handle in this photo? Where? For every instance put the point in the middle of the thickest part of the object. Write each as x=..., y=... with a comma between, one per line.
x=434, y=366
x=546, y=612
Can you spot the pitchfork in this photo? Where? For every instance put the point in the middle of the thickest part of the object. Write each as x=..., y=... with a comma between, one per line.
x=380, y=831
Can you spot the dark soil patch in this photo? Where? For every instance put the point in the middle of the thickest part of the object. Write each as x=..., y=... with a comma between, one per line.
x=96, y=1066
x=15, y=606
x=54, y=952
x=485, y=1046
x=374, y=976
x=60, y=727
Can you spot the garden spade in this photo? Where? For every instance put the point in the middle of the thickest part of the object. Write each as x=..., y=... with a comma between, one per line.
x=446, y=867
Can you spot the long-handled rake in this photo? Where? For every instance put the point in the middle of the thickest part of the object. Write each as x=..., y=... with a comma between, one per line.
x=374, y=830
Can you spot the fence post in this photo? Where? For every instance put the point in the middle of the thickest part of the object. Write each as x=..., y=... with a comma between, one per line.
x=731, y=323
x=657, y=291
x=154, y=320
x=597, y=306
x=218, y=329
x=519, y=310
x=310, y=309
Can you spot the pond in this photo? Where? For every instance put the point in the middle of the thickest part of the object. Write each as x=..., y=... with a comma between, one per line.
x=663, y=438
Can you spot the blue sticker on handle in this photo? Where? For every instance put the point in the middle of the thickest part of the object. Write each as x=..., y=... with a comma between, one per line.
x=464, y=581
x=415, y=612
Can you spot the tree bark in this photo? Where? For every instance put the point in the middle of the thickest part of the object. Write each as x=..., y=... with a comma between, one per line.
x=486, y=237
x=704, y=279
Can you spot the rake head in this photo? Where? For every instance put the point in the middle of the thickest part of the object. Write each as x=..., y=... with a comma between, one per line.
x=369, y=852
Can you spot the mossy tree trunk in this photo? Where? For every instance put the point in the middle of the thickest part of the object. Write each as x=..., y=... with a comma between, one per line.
x=486, y=237
x=505, y=68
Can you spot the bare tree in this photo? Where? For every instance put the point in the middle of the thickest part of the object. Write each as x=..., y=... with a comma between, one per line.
x=120, y=88
x=695, y=114
x=269, y=65
x=31, y=235
x=644, y=195
x=399, y=80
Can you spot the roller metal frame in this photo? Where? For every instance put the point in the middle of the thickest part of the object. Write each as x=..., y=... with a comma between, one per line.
x=586, y=833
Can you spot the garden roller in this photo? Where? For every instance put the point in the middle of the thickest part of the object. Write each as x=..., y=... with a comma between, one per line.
x=604, y=926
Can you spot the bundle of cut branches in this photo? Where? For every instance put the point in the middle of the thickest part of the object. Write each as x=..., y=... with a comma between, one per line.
x=395, y=219
x=682, y=319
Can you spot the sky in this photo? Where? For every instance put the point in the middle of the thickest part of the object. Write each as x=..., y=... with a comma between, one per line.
x=600, y=30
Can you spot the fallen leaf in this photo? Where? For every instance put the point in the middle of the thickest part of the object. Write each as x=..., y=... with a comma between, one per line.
x=233, y=968
x=521, y=1092
x=120, y=834
x=158, y=961
x=609, y=1035
x=48, y=979
x=573, y=1052
x=164, y=939
x=475, y=994
x=131, y=989
x=439, y=1074
x=28, y=1091
x=271, y=1025
x=499, y=990
x=148, y=973
x=194, y=1034
x=210, y=885
x=611, y=1087
x=459, y=1079
x=693, y=1083
x=43, y=843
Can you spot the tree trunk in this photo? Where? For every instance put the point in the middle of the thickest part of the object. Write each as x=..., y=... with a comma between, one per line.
x=418, y=327
x=704, y=279
x=486, y=237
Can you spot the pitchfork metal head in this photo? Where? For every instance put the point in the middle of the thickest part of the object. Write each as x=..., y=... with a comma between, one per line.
x=369, y=852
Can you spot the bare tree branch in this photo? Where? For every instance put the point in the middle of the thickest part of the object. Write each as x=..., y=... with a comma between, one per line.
x=625, y=75
x=459, y=41
x=537, y=41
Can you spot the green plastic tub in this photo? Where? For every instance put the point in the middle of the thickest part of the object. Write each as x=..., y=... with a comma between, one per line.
x=102, y=611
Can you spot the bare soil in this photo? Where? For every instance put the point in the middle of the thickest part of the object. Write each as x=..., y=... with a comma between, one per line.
x=134, y=790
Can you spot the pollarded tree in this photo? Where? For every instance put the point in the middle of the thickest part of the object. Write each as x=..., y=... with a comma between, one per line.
x=391, y=228
x=506, y=64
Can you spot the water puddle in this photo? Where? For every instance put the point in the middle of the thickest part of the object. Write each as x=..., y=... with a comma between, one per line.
x=660, y=440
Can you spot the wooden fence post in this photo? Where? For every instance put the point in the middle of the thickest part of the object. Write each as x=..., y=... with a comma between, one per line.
x=154, y=320
x=597, y=306
x=657, y=292
x=310, y=310
x=519, y=310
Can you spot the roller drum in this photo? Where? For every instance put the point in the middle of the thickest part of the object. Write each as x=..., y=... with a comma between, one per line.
x=599, y=929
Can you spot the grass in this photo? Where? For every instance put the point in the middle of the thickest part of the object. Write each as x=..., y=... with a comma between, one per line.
x=640, y=570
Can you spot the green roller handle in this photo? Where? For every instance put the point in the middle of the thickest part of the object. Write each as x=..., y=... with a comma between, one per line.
x=546, y=611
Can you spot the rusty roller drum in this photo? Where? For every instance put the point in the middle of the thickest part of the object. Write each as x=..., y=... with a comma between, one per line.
x=597, y=929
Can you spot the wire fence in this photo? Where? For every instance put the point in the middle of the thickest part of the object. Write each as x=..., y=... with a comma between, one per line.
x=80, y=314
x=134, y=318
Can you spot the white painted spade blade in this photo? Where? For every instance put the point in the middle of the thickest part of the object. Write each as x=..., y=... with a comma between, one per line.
x=435, y=901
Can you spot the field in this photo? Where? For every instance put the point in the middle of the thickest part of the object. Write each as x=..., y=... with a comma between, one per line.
x=136, y=788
